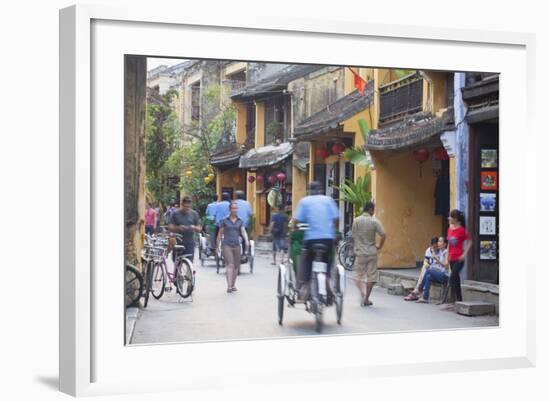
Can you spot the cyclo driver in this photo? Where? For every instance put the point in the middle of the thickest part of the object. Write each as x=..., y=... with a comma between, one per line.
x=321, y=215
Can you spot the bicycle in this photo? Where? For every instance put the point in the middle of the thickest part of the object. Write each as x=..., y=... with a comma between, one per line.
x=134, y=285
x=183, y=275
x=345, y=253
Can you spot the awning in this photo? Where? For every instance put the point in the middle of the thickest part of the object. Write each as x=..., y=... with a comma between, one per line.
x=226, y=156
x=266, y=155
x=480, y=114
x=334, y=114
x=417, y=129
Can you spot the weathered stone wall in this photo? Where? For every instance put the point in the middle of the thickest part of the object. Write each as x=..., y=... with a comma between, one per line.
x=135, y=70
x=258, y=71
x=316, y=91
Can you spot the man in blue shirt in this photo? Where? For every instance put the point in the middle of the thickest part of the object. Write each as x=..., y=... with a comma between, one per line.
x=222, y=210
x=211, y=208
x=320, y=213
x=245, y=211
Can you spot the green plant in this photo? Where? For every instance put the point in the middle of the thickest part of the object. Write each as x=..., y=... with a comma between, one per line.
x=357, y=193
x=357, y=154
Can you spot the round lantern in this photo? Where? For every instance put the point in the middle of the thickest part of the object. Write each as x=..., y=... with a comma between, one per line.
x=188, y=173
x=236, y=179
x=338, y=148
x=207, y=180
x=211, y=176
x=260, y=178
x=271, y=179
x=251, y=179
x=421, y=155
x=322, y=153
x=281, y=176
x=440, y=154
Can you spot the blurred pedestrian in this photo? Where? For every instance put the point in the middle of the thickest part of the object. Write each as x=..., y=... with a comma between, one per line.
x=150, y=219
x=364, y=231
x=278, y=225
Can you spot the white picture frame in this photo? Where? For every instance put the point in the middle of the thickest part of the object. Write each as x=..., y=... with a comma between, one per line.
x=93, y=359
x=487, y=225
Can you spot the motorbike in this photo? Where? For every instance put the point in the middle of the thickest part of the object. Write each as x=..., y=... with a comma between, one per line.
x=320, y=291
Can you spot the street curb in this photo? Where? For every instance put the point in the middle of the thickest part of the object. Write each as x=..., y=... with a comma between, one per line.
x=132, y=315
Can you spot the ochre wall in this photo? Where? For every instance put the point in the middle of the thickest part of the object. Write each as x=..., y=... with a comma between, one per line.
x=240, y=134
x=352, y=125
x=299, y=186
x=405, y=206
x=225, y=179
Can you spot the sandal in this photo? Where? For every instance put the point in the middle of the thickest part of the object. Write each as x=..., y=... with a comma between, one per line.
x=422, y=301
x=411, y=297
x=233, y=288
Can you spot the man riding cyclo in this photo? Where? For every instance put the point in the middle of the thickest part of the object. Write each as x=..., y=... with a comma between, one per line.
x=320, y=214
x=209, y=222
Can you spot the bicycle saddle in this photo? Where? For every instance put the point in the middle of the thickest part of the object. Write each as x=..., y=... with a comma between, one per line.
x=319, y=248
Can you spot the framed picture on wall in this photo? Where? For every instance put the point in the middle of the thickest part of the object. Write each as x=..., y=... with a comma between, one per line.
x=487, y=202
x=488, y=158
x=489, y=181
x=488, y=250
x=487, y=225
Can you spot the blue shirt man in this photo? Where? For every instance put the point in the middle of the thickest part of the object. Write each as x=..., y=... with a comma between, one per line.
x=319, y=212
x=211, y=209
x=244, y=210
x=222, y=209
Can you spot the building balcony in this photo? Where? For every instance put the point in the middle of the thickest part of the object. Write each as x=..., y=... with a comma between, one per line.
x=401, y=98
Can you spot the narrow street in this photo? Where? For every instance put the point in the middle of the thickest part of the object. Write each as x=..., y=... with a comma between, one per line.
x=251, y=312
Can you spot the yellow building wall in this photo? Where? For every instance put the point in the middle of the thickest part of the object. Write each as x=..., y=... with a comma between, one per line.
x=240, y=134
x=299, y=186
x=226, y=179
x=352, y=125
x=405, y=207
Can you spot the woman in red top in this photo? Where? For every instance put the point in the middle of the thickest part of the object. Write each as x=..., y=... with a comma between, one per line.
x=459, y=246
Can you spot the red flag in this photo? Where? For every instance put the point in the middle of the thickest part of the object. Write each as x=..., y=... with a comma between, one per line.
x=358, y=82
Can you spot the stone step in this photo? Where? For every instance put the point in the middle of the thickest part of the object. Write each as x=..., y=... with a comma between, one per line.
x=396, y=289
x=474, y=308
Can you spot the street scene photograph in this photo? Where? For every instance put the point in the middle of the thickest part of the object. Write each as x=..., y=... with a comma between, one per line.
x=276, y=200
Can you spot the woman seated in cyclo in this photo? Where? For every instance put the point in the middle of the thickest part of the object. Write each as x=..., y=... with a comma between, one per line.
x=435, y=268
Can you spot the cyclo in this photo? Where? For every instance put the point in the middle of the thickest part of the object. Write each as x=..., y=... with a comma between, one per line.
x=321, y=291
x=207, y=240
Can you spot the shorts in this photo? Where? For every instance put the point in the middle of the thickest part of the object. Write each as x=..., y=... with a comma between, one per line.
x=279, y=244
x=367, y=266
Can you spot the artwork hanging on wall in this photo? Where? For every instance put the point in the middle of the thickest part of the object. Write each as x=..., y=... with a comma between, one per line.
x=488, y=250
x=487, y=225
x=488, y=158
x=487, y=202
x=489, y=181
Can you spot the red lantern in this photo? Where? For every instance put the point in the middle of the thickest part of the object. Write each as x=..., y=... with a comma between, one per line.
x=251, y=179
x=338, y=148
x=237, y=179
x=260, y=178
x=322, y=153
x=440, y=154
x=281, y=176
x=421, y=155
x=271, y=179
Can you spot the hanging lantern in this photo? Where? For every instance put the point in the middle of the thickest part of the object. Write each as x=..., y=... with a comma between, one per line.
x=207, y=180
x=251, y=179
x=322, y=153
x=271, y=179
x=236, y=179
x=338, y=148
x=421, y=155
x=211, y=176
x=188, y=173
x=260, y=178
x=281, y=176
x=440, y=153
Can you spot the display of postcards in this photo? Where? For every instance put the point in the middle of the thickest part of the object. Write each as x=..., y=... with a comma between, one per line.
x=487, y=225
x=487, y=202
x=488, y=158
x=489, y=180
x=488, y=250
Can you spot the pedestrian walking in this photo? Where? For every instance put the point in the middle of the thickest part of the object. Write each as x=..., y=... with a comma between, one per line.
x=186, y=222
x=459, y=246
x=231, y=230
x=363, y=232
x=157, y=212
x=150, y=219
x=278, y=225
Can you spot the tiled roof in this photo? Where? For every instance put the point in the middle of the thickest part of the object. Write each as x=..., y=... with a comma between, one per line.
x=414, y=130
x=276, y=81
x=266, y=155
x=335, y=113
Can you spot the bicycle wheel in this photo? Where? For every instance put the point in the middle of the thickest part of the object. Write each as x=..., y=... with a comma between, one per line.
x=316, y=306
x=159, y=280
x=184, y=278
x=280, y=299
x=148, y=282
x=134, y=286
x=346, y=256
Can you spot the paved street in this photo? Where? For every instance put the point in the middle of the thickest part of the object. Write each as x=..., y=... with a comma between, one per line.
x=251, y=312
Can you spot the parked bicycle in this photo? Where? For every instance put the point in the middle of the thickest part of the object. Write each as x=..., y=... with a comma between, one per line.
x=134, y=285
x=158, y=277
x=345, y=252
